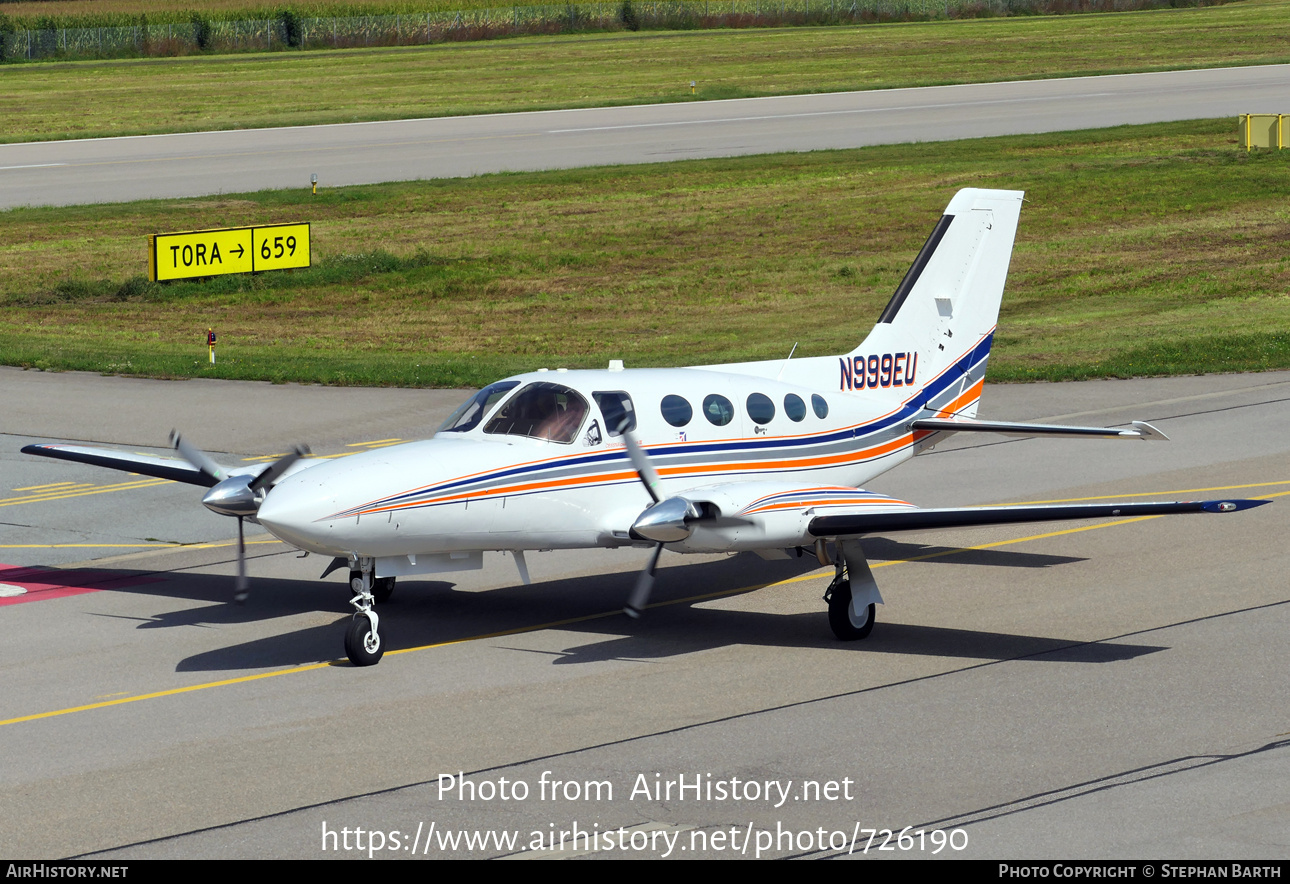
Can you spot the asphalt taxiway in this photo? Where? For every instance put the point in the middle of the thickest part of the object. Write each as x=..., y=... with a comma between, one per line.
x=1100, y=689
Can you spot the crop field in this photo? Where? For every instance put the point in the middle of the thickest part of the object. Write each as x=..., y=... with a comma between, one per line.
x=105, y=10
x=74, y=13
x=139, y=96
x=298, y=27
x=1142, y=250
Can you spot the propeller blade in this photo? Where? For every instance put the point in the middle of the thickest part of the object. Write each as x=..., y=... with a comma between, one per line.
x=644, y=585
x=242, y=589
x=277, y=468
x=239, y=496
x=197, y=458
x=644, y=469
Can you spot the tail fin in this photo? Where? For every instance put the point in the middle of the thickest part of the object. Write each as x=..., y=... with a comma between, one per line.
x=936, y=331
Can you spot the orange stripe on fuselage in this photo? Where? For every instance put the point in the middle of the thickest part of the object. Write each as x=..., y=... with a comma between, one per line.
x=807, y=504
x=510, y=490
x=673, y=472
x=818, y=489
x=799, y=463
x=966, y=398
x=971, y=394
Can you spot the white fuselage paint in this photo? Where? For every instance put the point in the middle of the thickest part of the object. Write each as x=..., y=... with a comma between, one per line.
x=482, y=491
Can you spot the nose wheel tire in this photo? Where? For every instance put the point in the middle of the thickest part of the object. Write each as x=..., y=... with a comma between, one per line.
x=848, y=625
x=362, y=643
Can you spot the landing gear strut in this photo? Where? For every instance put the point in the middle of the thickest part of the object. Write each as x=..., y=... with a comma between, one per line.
x=853, y=595
x=362, y=641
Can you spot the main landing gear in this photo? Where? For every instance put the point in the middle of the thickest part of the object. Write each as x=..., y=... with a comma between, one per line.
x=853, y=595
x=362, y=641
x=849, y=622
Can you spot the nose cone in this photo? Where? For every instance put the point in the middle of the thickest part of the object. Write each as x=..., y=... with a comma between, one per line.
x=380, y=503
x=296, y=511
x=328, y=507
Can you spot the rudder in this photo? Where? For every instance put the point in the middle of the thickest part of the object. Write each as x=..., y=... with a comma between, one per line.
x=936, y=331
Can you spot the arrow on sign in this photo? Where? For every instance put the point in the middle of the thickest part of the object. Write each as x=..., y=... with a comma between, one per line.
x=240, y=250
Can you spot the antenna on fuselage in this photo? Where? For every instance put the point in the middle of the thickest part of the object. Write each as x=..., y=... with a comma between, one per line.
x=785, y=365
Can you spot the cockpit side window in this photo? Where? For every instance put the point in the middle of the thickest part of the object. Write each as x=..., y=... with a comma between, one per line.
x=472, y=411
x=541, y=411
x=620, y=414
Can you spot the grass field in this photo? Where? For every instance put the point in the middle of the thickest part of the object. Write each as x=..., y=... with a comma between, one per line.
x=80, y=99
x=1142, y=250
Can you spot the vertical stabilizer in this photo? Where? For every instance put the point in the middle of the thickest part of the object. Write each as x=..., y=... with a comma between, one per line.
x=935, y=333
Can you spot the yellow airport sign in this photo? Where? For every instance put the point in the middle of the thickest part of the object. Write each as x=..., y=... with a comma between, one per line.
x=198, y=253
x=280, y=247
x=1264, y=130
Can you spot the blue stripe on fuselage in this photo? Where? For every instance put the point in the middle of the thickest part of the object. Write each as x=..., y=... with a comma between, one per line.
x=662, y=452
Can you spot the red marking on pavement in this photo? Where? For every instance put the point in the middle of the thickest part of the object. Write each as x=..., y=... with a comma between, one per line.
x=48, y=583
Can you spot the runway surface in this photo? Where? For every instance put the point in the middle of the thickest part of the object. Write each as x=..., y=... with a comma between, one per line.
x=118, y=169
x=1101, y=689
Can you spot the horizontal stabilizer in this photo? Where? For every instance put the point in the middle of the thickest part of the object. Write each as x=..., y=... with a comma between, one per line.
x=1141, y=429
x=924, y=520
x=145, y=464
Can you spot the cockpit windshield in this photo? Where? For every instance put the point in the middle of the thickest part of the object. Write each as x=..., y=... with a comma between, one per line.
x=472, y=411
x=541, y=411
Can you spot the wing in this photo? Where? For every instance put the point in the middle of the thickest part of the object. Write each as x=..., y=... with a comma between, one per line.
x=882, y=522
x=1141, y=429
x=145, y=464
x=172, y=468
x=768, y=515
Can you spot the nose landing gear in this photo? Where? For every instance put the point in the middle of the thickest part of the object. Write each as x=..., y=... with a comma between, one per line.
x=362, y=641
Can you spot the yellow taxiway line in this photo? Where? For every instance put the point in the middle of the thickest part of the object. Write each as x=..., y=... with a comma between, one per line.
x=55, y=493
x=165, y=544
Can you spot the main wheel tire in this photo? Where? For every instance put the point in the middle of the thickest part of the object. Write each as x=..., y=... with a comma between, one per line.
x=362, y=645
x=382, y=589
x=846, y=626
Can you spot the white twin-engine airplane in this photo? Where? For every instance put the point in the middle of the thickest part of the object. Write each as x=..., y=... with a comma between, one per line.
x=761, y=456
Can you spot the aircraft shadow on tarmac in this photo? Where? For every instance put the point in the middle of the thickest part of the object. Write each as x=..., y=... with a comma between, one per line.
x=432, y=612
x=882, y=549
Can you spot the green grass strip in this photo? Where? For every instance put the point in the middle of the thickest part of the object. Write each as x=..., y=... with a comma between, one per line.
x=85, y=99
x=1142, y=250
